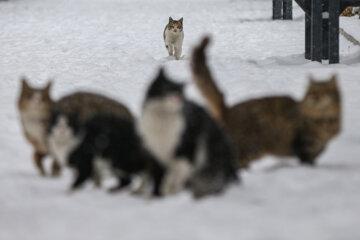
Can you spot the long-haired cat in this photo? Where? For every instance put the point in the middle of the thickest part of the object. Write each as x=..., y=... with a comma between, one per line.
x=186, y=141
x=274, y=125
x=173, y=37
x=61, y=137
x=107, y=141
x=34, y=106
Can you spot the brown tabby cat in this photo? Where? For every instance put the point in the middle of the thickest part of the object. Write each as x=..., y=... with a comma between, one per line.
x=69, y=114
x=34, y=106
x=279, y=126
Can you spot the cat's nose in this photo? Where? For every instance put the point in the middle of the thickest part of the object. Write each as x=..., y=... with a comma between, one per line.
x=175, y=30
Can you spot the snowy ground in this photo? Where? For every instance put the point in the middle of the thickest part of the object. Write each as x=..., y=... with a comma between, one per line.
x=115, y=47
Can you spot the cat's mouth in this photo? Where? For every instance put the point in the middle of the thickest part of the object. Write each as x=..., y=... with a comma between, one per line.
x=37, y=105
x=175, y=98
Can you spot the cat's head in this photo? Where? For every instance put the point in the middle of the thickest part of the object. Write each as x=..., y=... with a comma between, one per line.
x=34, y=101
x=322, y=99
x=175, y=26
x=164, y=94
x=63, y=127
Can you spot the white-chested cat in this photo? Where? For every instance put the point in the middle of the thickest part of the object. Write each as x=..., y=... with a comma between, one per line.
x=173, y=37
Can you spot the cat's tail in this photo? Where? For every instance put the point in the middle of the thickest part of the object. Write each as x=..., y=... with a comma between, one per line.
x=205, y=82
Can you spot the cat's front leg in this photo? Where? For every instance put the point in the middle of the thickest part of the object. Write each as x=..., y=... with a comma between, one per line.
x=38, y=160
x=55, y=168
x=84, y=172
x=80, y=179
x=169, y=47
x=178, y=50
x=176, y=177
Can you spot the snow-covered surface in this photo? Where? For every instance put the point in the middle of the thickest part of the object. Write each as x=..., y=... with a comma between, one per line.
x=115, y=47
x=351, y=25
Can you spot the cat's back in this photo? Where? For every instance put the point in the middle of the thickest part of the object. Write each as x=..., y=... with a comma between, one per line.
x=111, y=127
x=87, y=104
x=264, y=124
x=265, y=106
x=263, y=110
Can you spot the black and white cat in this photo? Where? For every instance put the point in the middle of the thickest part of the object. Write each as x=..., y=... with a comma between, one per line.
x=106, y=142
x=186, y=141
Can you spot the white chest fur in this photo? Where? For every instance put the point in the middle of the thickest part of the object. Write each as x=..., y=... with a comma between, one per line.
x=161, y=133
x=61, y=149
x=62, y=141
x=174, y=38
x=35, y=128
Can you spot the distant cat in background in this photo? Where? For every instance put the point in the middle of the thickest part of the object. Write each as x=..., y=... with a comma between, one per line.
x=186, y=141
x=173, y=37
x=34, y=106
x=70, y=113
x=274, y=125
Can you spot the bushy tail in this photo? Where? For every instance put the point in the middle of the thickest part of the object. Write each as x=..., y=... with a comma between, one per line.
x=205, y=82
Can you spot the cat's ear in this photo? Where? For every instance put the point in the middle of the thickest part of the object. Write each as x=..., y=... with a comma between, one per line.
x=161, y=74
x=48, y=86
x=181, y=20
x=311, y=79
x=170, y=19
x=24, y=82
x=333, y=80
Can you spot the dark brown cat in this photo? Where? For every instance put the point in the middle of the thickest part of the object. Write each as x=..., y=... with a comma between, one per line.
x=278, y=126
x=34, y=106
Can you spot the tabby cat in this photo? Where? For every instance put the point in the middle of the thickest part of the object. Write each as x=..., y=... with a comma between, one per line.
x=274, y=125
x=34, y=106
x=173, y=37
x=186, y=141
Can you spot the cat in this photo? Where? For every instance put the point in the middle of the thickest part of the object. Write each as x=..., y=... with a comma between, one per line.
x=186, y=141
x=274, y=125
x=173, y=37
x=34, y=106
x=107, y=142
x=348, y=12
x=61, y=137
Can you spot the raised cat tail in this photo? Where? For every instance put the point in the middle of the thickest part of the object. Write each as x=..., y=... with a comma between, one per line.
x=205, y=82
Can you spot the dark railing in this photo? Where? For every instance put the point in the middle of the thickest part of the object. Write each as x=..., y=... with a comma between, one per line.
x=321, y=25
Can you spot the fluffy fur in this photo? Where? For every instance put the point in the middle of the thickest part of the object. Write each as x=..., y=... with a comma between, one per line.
x=274, y=125
x=34, y=106
x=173, y=37
x=70, y=113
x=186, y=141
x=109, y=142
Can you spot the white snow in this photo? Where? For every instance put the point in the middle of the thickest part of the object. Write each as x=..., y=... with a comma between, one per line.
x=115, y=47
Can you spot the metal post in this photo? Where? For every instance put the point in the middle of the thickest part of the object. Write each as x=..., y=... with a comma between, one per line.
x=307, y=30
x=325, y=38
x=287, y=9
x=277, y=9
x=334, y=12
x=325, y=31
x=316, y=27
